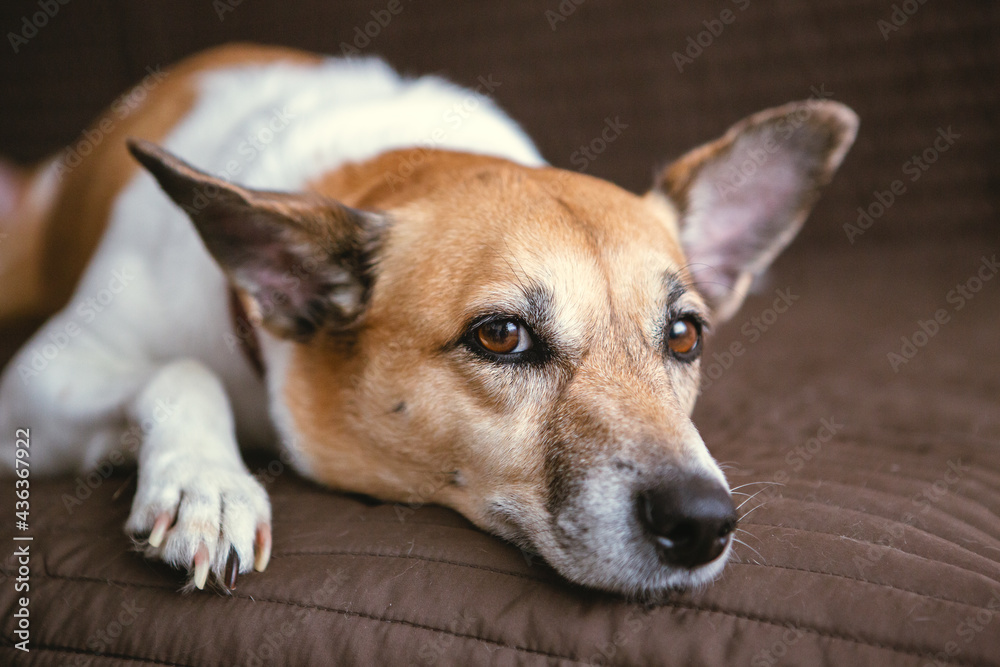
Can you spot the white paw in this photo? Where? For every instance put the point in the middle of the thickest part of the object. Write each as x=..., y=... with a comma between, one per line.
x=203, y=519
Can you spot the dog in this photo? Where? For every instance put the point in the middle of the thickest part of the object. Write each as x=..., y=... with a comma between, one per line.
x=384, y=277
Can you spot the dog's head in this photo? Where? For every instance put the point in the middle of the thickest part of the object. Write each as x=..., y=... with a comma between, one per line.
x=520, y=344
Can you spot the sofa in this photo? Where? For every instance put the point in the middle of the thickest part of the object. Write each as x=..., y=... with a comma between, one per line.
x=858, y=418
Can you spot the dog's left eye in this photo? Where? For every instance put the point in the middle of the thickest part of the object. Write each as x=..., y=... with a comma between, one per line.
x=684, y=338
x=503, y=337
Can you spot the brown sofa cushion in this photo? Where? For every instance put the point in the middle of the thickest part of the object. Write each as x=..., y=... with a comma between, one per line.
x=882, y=546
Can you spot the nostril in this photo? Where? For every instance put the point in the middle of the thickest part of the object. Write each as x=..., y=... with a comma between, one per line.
x=689, y=520
x=683, y=534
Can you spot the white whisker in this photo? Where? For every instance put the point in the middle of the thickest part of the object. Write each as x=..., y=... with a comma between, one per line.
x=743, y=486
x=749, y=534
x=738, y=507
x=738, y=541
x=753, y=510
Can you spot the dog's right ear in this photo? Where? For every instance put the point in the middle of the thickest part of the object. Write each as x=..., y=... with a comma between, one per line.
x=303, y=259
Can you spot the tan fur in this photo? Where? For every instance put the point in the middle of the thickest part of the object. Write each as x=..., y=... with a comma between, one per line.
x=476, y=228
x=21, y=231
x=55, y=240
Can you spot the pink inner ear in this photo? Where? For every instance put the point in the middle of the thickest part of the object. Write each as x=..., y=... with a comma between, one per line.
x=277, y=277
x=742, y=205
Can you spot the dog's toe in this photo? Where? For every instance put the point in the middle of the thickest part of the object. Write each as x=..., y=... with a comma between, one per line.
x=213, y=524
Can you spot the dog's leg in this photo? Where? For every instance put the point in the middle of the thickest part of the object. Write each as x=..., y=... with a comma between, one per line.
x=69, y=389
x=196, y=502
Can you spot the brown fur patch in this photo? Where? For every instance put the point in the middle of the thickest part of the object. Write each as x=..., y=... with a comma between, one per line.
x=78, y=217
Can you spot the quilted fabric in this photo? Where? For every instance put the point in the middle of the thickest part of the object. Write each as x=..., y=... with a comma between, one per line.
x=871, y=436
x=874, y=538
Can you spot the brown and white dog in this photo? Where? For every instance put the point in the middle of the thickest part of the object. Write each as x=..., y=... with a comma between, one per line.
x=427, y=300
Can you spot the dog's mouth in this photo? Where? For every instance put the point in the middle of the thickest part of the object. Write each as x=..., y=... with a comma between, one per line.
x=642, y=541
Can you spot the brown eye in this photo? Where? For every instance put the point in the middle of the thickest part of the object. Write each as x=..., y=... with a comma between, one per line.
x=503, y=337
x=684, y=338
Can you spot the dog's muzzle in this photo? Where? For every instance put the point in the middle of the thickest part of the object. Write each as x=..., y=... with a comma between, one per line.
x=642, y=529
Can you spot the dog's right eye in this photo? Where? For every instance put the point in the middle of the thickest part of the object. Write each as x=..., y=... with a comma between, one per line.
x=503, y=337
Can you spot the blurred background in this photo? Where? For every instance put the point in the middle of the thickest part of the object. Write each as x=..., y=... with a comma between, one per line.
x=922, y=74
x=676, y=74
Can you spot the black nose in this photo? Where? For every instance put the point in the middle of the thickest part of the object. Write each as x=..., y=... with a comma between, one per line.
x=691, y=520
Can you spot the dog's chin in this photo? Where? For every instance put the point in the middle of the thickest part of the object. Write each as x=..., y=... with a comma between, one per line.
x=600, y=552
x=631, y=568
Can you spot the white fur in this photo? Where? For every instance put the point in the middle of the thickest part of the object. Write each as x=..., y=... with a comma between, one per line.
x=163, y=334
x=190, y=464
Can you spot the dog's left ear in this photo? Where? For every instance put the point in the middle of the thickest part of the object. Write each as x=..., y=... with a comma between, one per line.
x=304, y=260
x=743, y=197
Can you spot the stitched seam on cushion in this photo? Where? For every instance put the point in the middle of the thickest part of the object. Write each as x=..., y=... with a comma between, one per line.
x=538, y=579
x=884, y=518
x=968, y=499
x=412, y=557
x=420, y=626
x=708, y=609
x=383, y=522
x=814, y=483
x=873, y=436
x=970, y=490
x=914, y=651
x=883, y=546
x=117, y=656
x=342, y=612
x=867, y=581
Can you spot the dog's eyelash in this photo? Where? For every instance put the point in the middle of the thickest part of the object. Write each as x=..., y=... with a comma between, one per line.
x=676, y=314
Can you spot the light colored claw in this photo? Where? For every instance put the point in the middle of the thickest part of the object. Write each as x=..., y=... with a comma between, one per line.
x=263, y=551
x=201, y=567
x=159, y=530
